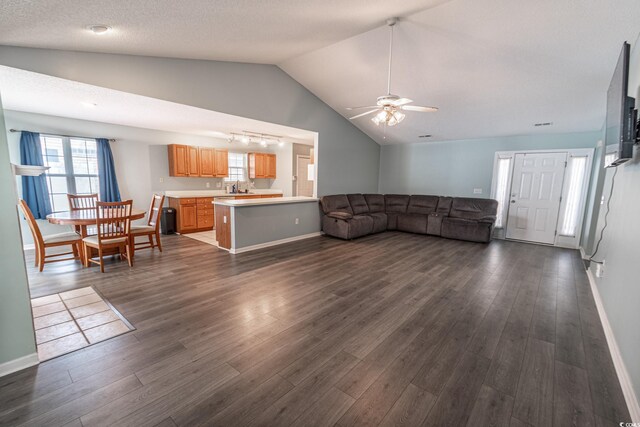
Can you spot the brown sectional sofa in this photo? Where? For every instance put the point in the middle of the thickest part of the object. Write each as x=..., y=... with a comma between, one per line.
x=349, y=216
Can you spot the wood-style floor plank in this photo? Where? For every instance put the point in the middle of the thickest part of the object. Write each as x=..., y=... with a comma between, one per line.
x=392, y=329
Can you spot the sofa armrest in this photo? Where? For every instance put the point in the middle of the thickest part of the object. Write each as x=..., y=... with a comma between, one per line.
x=340, y=215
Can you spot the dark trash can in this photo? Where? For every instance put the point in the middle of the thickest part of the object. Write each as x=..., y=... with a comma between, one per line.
x=168, y=221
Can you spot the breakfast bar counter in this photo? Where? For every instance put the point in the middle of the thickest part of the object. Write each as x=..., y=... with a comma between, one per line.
x=250, y=224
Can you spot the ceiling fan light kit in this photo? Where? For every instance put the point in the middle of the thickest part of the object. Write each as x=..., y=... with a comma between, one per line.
x=389, y=107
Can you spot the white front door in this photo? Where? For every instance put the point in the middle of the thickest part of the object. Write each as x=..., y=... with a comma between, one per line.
x=536, y=192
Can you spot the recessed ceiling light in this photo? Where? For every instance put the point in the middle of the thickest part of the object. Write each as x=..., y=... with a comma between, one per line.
x=99, y=29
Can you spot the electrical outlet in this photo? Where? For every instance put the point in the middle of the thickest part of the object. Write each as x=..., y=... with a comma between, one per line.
x=208, y=185
x=224, y=219
x=161, y=180
x=219, y=184
x=600, y=270
x=297, y=221
x=477, y=191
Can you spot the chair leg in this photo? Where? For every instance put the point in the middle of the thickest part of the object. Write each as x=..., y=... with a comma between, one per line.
x=150, y=236
x=101, y=260
x=129, y=256
x=37, y=256
x=87, y=255
x=41, y=258
x=158, y=241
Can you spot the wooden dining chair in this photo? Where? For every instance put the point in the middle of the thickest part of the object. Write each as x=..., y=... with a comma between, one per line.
x=113, y=222
x=43, y=242
x=82, y=202
x=151, y=229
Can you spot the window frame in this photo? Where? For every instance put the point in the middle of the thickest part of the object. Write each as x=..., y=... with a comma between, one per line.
x=232, y=177
x=70, y=175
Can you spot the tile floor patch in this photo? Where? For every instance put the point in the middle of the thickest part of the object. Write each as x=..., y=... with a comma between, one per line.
x=108, y=330
x=36, y=302
x=208, y=237
x=72, y=320
x=51, y=319
x=97, y=319
x=60, y=346
x=83, y=300
x=56, y=331
x=43, y=310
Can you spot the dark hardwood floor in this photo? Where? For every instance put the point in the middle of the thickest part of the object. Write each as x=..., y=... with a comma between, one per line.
x=391, y=329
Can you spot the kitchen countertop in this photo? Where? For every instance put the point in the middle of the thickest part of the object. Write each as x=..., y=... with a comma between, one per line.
x=214, y=193
x=260, y=202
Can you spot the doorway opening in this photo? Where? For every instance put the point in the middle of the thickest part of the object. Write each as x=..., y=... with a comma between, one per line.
x=541, y=195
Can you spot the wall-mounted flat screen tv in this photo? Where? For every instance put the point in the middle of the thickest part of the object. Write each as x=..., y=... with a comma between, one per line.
x=620, y=125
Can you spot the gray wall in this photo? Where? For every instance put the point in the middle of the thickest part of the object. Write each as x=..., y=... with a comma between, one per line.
x=140, y=157
x=620, y=249
x=455, y=168
x=348, y=160
x=16, y=326
x=254, y=225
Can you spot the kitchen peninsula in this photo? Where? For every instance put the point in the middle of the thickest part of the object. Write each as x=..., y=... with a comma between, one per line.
x=195, y=211
x=250, y=224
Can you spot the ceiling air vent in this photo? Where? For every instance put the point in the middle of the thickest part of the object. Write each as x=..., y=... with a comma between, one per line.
x=543, y=124
x=424, y=136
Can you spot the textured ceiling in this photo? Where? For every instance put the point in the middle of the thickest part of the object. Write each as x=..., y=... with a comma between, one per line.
x=494, y=67
x=226, y=30
x=38, y=93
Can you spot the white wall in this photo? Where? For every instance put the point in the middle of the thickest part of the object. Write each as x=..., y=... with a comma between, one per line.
x=140, y=157
x=619, y=289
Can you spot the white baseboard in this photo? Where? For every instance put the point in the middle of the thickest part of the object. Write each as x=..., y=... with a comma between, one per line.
x=274, y=243
x=29, y=246
x=18, y=364
x=623, y=375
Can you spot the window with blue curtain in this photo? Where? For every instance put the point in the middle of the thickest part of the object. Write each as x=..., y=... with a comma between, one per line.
x=34, y=188
x=109, y=191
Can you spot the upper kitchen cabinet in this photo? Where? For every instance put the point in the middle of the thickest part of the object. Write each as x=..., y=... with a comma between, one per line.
x=189, y=161
x=222, y=163
x=262, y=165
x=207, y=162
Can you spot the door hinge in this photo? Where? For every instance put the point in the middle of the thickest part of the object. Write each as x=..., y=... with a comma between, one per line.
x=560, y=199
x=565, y=163
x=555, y=233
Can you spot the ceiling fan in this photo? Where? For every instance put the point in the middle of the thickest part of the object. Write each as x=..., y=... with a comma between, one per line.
x=389, y=107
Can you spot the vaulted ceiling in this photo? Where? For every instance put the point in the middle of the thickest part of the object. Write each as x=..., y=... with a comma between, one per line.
x=494, y=67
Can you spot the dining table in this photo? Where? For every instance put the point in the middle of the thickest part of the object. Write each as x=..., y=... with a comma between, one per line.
x=81, y=219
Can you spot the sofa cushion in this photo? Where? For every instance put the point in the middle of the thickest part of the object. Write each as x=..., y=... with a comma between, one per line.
x=468, y=208
x=422, y=204
x=335, y=203
x=375, y=202
x=413, y=223
x=434, y=223
x=466, y=229
x=360, y=225
x=379, y=222
x=358, y=204
x=444, y=205
x=396, y=203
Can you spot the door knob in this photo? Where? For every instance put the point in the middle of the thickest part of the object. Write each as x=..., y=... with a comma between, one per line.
x=513, y=201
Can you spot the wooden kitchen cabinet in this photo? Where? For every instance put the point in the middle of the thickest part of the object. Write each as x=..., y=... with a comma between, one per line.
x=262, y=165
x=194, y=161
x=193, y=214
x=221, y=163
x=178, y=160
x=207, y=162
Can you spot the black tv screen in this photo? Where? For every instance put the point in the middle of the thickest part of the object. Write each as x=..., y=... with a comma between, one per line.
x=620, y=110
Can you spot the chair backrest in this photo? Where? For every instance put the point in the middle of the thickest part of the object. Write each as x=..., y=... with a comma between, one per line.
x=82, y=202
x=113, y=219
x=33, y=225
x=155, y=209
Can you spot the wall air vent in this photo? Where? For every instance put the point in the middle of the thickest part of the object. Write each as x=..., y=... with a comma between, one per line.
x=543, y=124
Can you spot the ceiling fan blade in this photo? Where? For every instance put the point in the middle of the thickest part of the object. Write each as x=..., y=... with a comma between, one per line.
x=400, y=101
x=419, y=108
x=363, y=114
x=366, y=106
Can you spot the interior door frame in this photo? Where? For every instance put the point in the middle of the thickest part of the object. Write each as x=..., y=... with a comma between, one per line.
x=560, y=241
x=298, y=157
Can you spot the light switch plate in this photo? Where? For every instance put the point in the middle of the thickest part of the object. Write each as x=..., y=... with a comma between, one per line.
x=477, y=191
